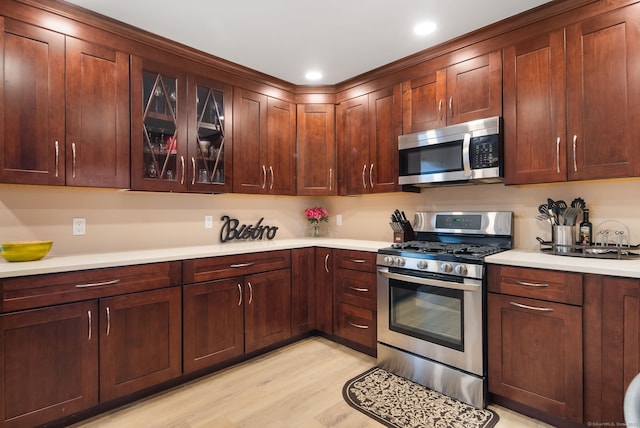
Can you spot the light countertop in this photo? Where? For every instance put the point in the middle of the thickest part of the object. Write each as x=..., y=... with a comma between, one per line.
x=537, y=259
x=54, y=264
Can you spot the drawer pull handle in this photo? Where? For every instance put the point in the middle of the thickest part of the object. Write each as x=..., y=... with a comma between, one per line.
x=89, y=316
x=533, y=308
x=358, y=261
x=364, y=327
x=108, y=321
x=241, y=265
x=531, y=284
x=361, y=290
x=98, y=284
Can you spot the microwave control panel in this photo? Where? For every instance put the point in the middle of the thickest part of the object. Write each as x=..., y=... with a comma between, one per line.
x=485, y=152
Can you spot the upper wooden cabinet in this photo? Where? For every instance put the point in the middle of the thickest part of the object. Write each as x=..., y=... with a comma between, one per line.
x=579, y=125
x=77, y=137
x=462, y=92
x=264, y=133
x=316, y=150
x=367, y=129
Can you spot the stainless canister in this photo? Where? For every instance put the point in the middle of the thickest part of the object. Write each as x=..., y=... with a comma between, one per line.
x=564, y=237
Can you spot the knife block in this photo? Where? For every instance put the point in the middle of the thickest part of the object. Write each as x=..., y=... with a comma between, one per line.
x=406, y=235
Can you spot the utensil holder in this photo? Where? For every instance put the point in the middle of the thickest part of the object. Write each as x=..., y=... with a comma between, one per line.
x=563, y=238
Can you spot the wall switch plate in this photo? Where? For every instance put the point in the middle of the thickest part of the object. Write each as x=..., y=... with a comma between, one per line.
x=339, y=220
x=79, y=226
x=208, y=222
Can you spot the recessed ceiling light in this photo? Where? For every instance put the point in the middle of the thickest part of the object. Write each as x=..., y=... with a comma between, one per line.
x=313, y=75
x=424, y=28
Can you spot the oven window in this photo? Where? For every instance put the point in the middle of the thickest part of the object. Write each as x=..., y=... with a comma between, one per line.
x=431, y=159
x=433, y=314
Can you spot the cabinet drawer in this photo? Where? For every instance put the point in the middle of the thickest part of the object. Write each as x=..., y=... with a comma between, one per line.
x=356, y=324
x=356, y=288
x=357, y=260
x=207, y=269
x=51, y=289
x=550, y=285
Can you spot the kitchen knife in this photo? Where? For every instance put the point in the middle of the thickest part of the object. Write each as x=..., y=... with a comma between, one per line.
x=404, y=217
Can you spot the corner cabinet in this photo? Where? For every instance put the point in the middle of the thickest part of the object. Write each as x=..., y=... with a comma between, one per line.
x=570, y=106
x=77, y=137
x=264, y=132
x=316, y=150
x=465, y=91
x=367, y=129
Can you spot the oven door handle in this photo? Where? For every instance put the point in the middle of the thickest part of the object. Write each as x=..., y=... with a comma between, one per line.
x=466, y=158
x=427, y=281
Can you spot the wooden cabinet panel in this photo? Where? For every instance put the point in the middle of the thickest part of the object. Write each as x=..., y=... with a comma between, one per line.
x=611, y=345
x=357, y=260
x=48, y=363
x=474, y=88
x=140, y=341
x=555, y=286
x=535, y=354
x=356, y=324
x=352, y=123
x=535, y=110
x=213, y=330
x=267, y=308
x=385, y=121
x=280, y=160
x=324, y=289
x=303, y=290
x=32, y=112
x=44, y=290
x=423, y=102
x=97, y=120
x=316, y=150
x=356, y=288
x=603, y=91
x=207, y=269
x=465, y=91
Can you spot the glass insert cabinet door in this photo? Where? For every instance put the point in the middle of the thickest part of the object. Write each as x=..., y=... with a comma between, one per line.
x=160, y=126
x=208, y=158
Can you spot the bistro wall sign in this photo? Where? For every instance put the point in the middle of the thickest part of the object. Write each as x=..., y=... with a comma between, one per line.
x=231, y=230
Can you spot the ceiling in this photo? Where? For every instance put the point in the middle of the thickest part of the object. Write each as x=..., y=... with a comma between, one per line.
x=286, y=38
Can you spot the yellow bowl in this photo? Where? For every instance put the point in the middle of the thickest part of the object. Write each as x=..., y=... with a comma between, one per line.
x=24, y=251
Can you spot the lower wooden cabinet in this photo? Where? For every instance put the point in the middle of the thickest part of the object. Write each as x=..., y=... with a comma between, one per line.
x=48, y=363
x=140, y=341
x=354, y=295
x=611, y=345
x=303, y=287
x=324, y=269
x=228, y=317
x=535, y=340
x=213, y=323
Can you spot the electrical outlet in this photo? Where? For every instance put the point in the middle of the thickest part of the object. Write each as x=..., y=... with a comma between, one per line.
x=79, y=226
x=339, y=220
x=208, y=222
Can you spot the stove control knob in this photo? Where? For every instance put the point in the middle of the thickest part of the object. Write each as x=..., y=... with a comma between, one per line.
x=388, y=260
x=461, y=270
x=423, y=264
x=446, y=268
x=399, y=261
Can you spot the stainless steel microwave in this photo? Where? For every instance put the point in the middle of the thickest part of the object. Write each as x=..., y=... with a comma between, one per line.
x=464, y=153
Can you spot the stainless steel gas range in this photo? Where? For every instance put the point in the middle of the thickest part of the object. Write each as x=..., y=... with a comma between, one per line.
x=432, y=300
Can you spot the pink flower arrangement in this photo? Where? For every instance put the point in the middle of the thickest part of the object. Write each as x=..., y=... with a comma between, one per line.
x=316, y=214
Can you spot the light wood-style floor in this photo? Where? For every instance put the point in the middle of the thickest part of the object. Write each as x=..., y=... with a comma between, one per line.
x=298, y=386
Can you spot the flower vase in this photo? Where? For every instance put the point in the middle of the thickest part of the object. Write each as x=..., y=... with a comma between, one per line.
x=315, y=230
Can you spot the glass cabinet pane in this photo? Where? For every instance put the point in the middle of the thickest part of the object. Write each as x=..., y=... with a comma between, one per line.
x=210, y=136
x=160, y=125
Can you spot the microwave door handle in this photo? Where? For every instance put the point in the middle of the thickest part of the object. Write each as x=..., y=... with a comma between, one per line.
x=466, y=160
x=428, y=281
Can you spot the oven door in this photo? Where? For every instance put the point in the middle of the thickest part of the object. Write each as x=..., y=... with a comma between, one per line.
x=433, y=318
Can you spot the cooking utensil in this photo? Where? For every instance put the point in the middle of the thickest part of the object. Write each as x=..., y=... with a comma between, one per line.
x=569, y=215
x=578, y=203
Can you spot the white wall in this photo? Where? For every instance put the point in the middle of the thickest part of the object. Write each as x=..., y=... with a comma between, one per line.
x=125, y=220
